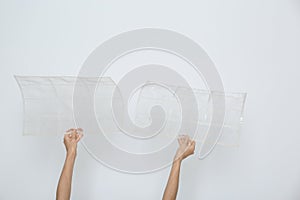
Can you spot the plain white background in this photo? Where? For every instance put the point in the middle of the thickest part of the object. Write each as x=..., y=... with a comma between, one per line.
x=255, y=46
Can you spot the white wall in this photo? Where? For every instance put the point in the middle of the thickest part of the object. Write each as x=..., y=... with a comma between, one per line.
x=255, y=46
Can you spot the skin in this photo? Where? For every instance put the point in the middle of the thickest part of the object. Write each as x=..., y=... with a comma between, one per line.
x=73, y=136
x=185, y=149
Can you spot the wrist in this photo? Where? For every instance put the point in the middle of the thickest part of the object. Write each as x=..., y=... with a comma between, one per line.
x=71, y=153
x=177, y=161
x=178, y=158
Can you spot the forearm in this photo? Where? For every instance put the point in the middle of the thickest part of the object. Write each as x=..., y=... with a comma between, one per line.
x=173, y=181
x=64, y=185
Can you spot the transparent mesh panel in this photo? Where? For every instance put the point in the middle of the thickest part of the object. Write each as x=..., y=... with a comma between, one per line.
x=202, y=98
x=152, y=97
x=233, y=119
x=162, y=113
x=48, y=102
x=234, y=105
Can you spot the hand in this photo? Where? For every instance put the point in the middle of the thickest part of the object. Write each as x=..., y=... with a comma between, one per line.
x=186, y=147
x=71, y=138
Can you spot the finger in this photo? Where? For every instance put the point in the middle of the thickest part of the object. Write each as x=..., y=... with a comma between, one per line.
x=79, y=136
x=185, y=140
x=72, y=135
x=70, y=130
x=193, y=144
x=181, y=140
x=182, y=136
x=178, y=140
x=67, y=136
x=79, y=130
x=78, y=133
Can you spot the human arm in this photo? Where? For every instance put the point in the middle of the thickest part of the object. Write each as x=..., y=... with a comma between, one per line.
x=71, y=139
x=185, y=149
